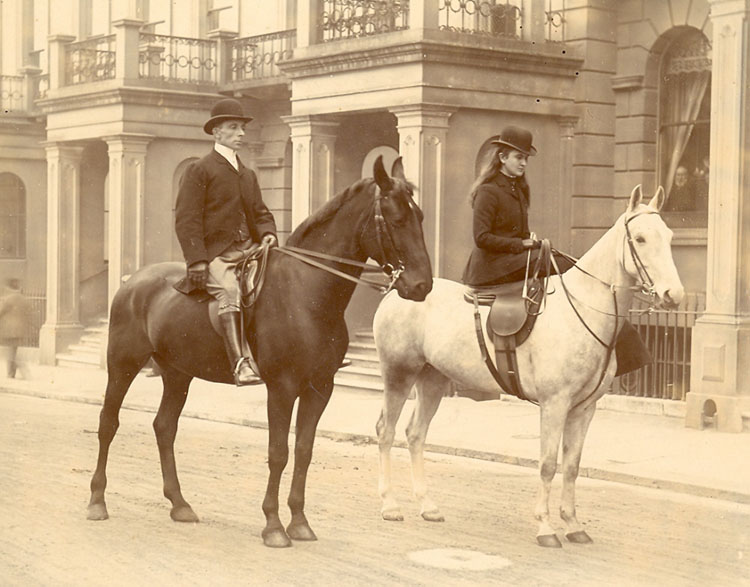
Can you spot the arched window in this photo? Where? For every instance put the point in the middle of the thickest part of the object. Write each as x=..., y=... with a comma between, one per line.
x=684, y=128
x=12, y=217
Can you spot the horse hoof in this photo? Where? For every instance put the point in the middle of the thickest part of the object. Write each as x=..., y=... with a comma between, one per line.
x=184, y=514
x=549, y=541
x=300, y=532
x=579, y=537
x=393, y=516
x=97, y=511
x=433, y=516
x=276, y=538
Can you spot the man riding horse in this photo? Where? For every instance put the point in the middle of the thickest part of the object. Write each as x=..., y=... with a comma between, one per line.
x=220, y=216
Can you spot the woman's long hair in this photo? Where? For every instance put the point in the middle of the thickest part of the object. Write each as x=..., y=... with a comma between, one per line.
x=490, y=168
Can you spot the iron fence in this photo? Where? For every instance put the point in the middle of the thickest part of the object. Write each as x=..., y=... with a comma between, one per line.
x=484, y=17
x=344, y=19
x=90, y=60
x=668, y=336
x=258, y=57
x=177, y=59
x=37, y=314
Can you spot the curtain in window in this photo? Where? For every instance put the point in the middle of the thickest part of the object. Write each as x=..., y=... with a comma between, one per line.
x=683, y=104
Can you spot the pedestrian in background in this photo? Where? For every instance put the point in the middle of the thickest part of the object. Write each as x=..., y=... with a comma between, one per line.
x=15, y=319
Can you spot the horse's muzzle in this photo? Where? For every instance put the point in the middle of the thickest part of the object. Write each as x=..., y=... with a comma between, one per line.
x=418, y=292
x=670, y=300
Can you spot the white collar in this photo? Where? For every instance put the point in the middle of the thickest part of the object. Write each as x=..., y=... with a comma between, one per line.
x=228, y=154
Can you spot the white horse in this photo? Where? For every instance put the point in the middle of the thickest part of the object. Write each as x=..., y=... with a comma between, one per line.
x=562, y=366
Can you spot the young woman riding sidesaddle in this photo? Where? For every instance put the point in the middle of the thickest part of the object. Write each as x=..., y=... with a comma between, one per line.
x=503, y=244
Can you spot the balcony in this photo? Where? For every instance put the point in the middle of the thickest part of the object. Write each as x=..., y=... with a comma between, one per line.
x=224, y=63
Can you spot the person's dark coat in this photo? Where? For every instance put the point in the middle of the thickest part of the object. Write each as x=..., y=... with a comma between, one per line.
x=501, y=222
x=212, y=202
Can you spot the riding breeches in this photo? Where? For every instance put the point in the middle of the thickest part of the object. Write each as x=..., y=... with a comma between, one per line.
x=222, y=281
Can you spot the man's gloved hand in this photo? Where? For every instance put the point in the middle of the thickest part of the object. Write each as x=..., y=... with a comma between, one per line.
x=269, y=240
x=198, y=274
x=530, y=243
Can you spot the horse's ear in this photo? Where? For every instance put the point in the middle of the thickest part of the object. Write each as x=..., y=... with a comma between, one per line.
x=398, y=169
x=635, y=198
x=658, y=200
x=381, y=177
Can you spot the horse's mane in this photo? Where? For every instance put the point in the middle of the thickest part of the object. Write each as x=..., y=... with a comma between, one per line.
x=326, y=211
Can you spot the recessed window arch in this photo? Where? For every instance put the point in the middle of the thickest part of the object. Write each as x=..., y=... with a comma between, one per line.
x=684, y=127
x=12, y=217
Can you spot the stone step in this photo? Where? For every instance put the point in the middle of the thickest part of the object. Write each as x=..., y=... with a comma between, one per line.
x=363, y=347
x=85, y=350
x=364, y=373
x=364, y=336
x=356, y=383
x=77, y=361
x=364, y=360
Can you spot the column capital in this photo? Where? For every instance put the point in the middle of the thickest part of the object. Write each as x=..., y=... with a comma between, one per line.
x=71, y=150
x=310, y=121
x=436, y=115
x=132, y=140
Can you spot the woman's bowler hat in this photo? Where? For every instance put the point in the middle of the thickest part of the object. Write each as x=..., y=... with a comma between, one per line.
x=517, y=138
x=226, y=109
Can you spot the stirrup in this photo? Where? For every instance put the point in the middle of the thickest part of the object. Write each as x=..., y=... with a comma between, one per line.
x=256, y=381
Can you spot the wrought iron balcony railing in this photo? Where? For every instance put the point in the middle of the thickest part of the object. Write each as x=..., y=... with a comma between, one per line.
x=90, y=60
x=177, y=59
x=344, y=19
x=12, y=93
x=258, y=57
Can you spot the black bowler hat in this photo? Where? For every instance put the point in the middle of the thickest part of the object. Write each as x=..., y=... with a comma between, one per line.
x=226, y=109
x=517, y=138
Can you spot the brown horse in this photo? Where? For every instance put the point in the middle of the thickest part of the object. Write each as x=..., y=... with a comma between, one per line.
x=296, y=331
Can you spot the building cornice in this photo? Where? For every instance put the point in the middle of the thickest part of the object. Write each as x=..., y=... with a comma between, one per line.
x=81, y=97
x=513, y=56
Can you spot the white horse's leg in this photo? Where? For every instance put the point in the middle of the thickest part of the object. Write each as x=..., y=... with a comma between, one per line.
x=397, y=385
x=431, y=387
x=576, y=427
x=552, y=420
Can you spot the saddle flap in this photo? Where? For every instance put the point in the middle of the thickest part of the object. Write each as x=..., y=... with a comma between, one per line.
x=507, y=315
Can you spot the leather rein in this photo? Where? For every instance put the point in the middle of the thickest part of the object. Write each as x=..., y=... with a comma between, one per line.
x=383, y=235
x=645, y=285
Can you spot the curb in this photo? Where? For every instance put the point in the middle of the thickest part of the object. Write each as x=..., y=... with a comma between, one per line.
x=355, y=438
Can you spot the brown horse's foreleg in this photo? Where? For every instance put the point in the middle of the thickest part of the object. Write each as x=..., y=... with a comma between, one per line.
x=176, y=386
x=120, y=375
x=576, y=427
x=431, y=387
x=279, y=406
x=397, y=385
x=311, y=405
x=552, y=420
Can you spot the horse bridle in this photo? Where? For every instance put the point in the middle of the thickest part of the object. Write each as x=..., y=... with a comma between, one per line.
x=646, y=283
x=382, y=232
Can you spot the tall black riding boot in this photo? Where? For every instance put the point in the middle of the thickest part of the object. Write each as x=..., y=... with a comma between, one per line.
x=243, y=373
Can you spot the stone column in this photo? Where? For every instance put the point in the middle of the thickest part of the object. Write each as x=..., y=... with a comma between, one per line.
x=62, y=323
x=313, y=149
x=423, y=130
x=127, y=173
x=308, y=15
x=720, y=355
x=567, y=126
